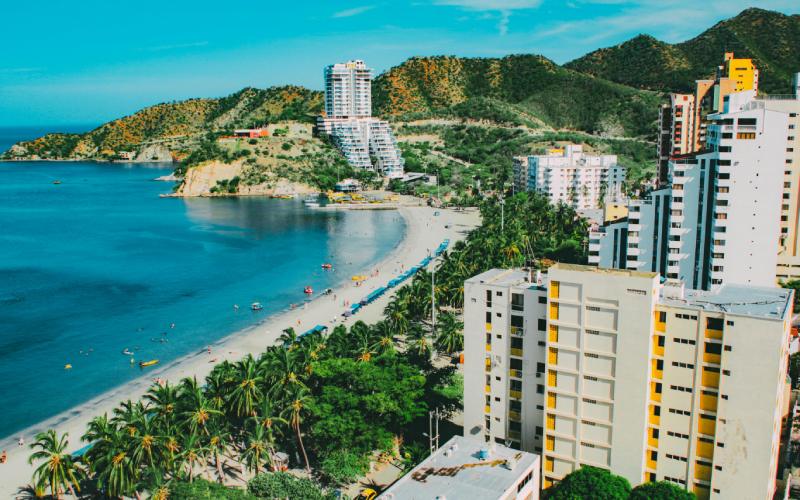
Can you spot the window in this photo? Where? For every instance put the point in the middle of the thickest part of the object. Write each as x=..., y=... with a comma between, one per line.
x=516, y=364
x=489, y=317
x=542, y=299
x=714, y=323
x=516, y=321
x=515, y=405
x=499, y=294
x=542, y=324
x=539, y=389
x=539, y=430
x=712, y=348
x=540, y=367
x=517, y=302
x=516, y=385
x=516, y=343
x=488, y=298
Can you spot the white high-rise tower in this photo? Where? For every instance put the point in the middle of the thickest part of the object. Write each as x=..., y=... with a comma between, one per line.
x=348, y=92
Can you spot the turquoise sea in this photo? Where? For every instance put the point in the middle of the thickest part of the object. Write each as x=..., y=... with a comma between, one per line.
x=100, y=263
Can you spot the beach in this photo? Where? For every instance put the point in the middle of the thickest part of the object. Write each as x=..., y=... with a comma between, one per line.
x=424, y=232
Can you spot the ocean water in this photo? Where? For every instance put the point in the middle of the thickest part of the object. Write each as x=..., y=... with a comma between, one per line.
x=100, y=263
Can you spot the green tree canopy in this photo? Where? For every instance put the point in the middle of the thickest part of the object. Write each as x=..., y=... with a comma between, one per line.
x=661, y=490
x=590, y=482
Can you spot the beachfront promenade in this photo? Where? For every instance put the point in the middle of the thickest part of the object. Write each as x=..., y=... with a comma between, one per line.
x=425, y=232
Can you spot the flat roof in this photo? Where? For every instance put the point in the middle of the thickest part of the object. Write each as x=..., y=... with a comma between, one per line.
x=503, y=277
x=602, y=270
x=744, y=300
x=456, y=471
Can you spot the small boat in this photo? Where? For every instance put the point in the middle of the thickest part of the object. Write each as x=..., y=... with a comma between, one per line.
x=358, y=278
x=68, y=366
x=256, y=306
x=144, y=364
x=127, y=352
x=308, y=290
x=56, y=181
x=327, y=266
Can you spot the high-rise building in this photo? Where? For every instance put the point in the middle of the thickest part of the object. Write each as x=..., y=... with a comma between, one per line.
x=617, y=370
x=683, y=121
x=348, y=90
x=570, y=176
x=727, y=204
x=366, y=142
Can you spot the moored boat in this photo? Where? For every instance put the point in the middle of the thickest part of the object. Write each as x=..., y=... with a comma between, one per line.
x=144, y=364
x=308, y=290
x=256, y=306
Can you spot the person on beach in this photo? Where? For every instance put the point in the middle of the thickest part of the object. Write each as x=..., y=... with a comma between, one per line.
x=21, y=442
x=3, y=457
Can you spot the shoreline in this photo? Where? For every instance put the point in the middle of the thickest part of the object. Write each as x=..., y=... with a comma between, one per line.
x=423, y=232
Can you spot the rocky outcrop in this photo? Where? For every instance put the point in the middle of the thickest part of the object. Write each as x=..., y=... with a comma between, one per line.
x=154, y=152
x=206, y=179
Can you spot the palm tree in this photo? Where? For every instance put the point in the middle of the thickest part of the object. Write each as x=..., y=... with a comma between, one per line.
x=396, y=314
x=198, y=409
x=114, y=470
x=58, y=471
x=451, y=334
x=218, y=441
x=246, y=393
x=163, y=400
x=288, y=337
x=193, y=453
x=258, y=449
x=298, y=401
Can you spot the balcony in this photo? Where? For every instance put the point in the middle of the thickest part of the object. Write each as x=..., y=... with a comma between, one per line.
x=707, y=426
x=553, y=337
x=515, y=394
x=705, y=449
x=654, y=396
x=553, y=311
x=515, y=351
x=552, y=379
x=488, y=389
x=657, y=349
x=515, y=373
x=657, y=374
x=713, y=334
x=514, y=435
x=709, y=402
x=712, y=358
x=489, y=327
x=488, y=347
x=515, y=416
x=487, y=409
x=551, y=422
x=702, y=472
x=710, y=379
x=516, y=330
x=552, y=356
x=554, y=289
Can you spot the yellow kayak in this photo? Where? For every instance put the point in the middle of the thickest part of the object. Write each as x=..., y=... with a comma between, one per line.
x=358, y=278
x=68, y=366
x=152, y=362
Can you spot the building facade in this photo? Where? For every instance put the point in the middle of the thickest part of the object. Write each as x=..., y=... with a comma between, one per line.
x=348, y=90
x=569, y=176
x=366, y=142
x=612, y=368
x=729, y=212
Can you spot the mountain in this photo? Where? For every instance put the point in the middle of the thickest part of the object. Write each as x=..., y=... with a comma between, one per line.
x=526, y=88
x=181, y=124
x=770, y=38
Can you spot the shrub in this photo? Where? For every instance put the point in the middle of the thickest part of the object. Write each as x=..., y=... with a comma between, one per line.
x=252, y=141
x=344, y=466
x=590, y=482
x=201, y=489
x=286, y=146
x=280, y=485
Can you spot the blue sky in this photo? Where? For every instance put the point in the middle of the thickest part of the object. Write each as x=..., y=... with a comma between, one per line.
x=89, y=61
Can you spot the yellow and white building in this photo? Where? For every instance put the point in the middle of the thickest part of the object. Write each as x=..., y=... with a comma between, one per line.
x=612, y=368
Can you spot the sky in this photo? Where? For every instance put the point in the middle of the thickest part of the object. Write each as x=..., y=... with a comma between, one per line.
x=89, y=61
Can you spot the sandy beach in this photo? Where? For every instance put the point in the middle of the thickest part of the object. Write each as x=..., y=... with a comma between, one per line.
x=424, y=233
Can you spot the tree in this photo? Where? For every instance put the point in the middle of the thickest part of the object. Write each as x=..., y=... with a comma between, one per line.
x=58, y=471
x=661, y=490
x=284, y=485
x=246, y=392
x=343, y=466
x=450, y=338
x=590, y=482
x=298, y=401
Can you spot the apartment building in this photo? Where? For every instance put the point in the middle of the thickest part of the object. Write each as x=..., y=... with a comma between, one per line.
x=520, y=169
x=725, y=216
x=348, y=90
x=684, y=120
x=570, y=176
x=366, y=142
x=616, y=370
x=675, y=133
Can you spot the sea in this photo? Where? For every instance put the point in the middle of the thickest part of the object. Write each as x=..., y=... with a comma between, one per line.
x=101, y=263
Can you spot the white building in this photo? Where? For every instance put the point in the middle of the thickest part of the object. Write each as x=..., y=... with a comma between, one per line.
x=348, y=121
x=725, y=205
x=569, y=176
x=348, y=90
x=616, y=370
x=470, y=468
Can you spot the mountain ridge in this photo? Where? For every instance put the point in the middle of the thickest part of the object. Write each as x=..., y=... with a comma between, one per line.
x=770, y=38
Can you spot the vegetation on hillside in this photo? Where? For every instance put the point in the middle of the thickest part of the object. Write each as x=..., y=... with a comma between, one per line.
x=532, y=90
x=770, y=38
x=180, y=124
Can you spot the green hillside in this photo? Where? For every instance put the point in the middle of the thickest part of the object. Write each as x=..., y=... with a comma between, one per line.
x=522, y=89
x=180, y=123
x=770, y=38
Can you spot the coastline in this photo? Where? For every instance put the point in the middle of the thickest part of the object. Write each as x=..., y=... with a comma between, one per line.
x=423, y=232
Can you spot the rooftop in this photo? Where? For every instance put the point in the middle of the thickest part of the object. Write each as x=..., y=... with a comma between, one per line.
x=599, y=270
x=743, y=300
x=456, y=471
x=504, y=277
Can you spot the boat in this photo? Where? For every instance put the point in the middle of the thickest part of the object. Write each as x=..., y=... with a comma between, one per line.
x=68, y=366
x=327, y=266
x=256, y=306
x=127, y=352
x=56, y=181
x=308, y=290
x=144, y=364
x=358, y=277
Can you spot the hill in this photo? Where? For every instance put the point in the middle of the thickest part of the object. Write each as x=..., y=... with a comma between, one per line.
x=179, y=125
x=770, y=38
x=522, y=89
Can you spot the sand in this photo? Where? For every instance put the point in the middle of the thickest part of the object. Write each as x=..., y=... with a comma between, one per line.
x=423, y=234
